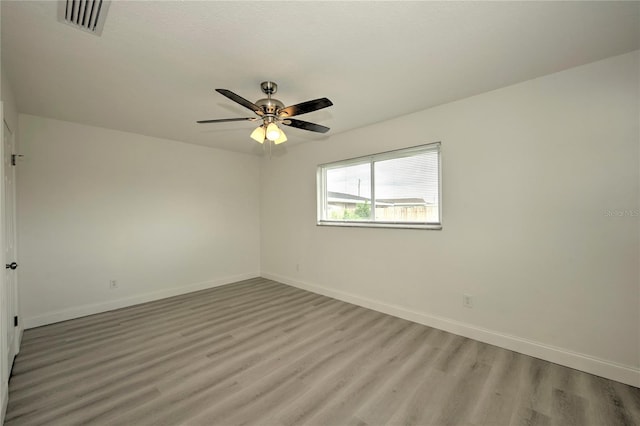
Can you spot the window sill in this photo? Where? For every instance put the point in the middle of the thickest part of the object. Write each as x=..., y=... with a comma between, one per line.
x=364, y=224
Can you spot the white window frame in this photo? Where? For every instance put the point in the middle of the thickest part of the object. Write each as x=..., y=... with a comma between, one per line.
x=321, y=181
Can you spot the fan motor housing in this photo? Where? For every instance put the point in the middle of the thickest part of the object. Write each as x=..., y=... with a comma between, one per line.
x=269, y=105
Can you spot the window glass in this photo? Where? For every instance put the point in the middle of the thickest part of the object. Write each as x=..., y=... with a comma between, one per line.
x=404, y=186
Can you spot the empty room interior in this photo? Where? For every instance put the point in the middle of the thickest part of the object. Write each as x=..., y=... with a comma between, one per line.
x=320, y=213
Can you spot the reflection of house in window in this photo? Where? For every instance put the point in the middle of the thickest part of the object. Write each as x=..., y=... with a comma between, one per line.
x=341, y=205
x=406, y=210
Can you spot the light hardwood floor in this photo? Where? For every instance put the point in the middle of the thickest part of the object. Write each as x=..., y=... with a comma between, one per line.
x=262, y=353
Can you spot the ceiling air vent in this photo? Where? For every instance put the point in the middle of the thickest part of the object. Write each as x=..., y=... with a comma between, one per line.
x=87, y=15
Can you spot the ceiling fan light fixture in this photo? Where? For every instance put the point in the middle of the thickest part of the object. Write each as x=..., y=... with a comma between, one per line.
x=282, y=138
x=273, y=133
x=258, y=134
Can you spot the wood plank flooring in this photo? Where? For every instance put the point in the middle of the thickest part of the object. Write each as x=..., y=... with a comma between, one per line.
x=262, y=353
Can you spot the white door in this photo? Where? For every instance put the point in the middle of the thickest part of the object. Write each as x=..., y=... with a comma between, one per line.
x=10, y=253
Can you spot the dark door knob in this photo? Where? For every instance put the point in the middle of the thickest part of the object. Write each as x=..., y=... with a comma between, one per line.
x=12, y=265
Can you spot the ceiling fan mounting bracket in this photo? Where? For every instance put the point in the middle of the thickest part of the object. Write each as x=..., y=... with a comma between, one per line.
x=268, y=87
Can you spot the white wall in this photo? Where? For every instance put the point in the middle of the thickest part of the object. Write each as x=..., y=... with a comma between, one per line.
x=529, y=172
x=161, y=217
x=9, y=103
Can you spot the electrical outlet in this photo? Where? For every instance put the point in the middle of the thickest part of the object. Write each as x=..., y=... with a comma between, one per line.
x=297, y=267
x=467, y=301
x=113, y=284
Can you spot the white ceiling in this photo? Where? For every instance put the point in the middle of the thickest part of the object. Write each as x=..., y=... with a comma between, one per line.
x=155, y=67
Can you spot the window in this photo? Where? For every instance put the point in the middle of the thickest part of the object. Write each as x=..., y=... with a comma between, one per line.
x=397, y=189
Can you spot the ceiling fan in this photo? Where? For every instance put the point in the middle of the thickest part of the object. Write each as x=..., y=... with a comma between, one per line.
x=273, y=112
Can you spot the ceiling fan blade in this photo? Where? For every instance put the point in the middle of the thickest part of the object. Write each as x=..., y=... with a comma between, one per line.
x=305, y=107
x=224, y=120
x=242, y=101
x=305, y=125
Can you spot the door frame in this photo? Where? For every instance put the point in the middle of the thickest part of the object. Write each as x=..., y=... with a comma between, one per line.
x=11, y=286
x=5, y=363
x=4, y=376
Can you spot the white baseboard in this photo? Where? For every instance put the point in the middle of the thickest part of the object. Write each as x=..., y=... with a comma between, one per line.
x=610, y=370
x=96, y=308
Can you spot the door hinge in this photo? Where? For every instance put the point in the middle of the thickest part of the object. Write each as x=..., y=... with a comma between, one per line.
x=15, y=321
x=14, y=158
